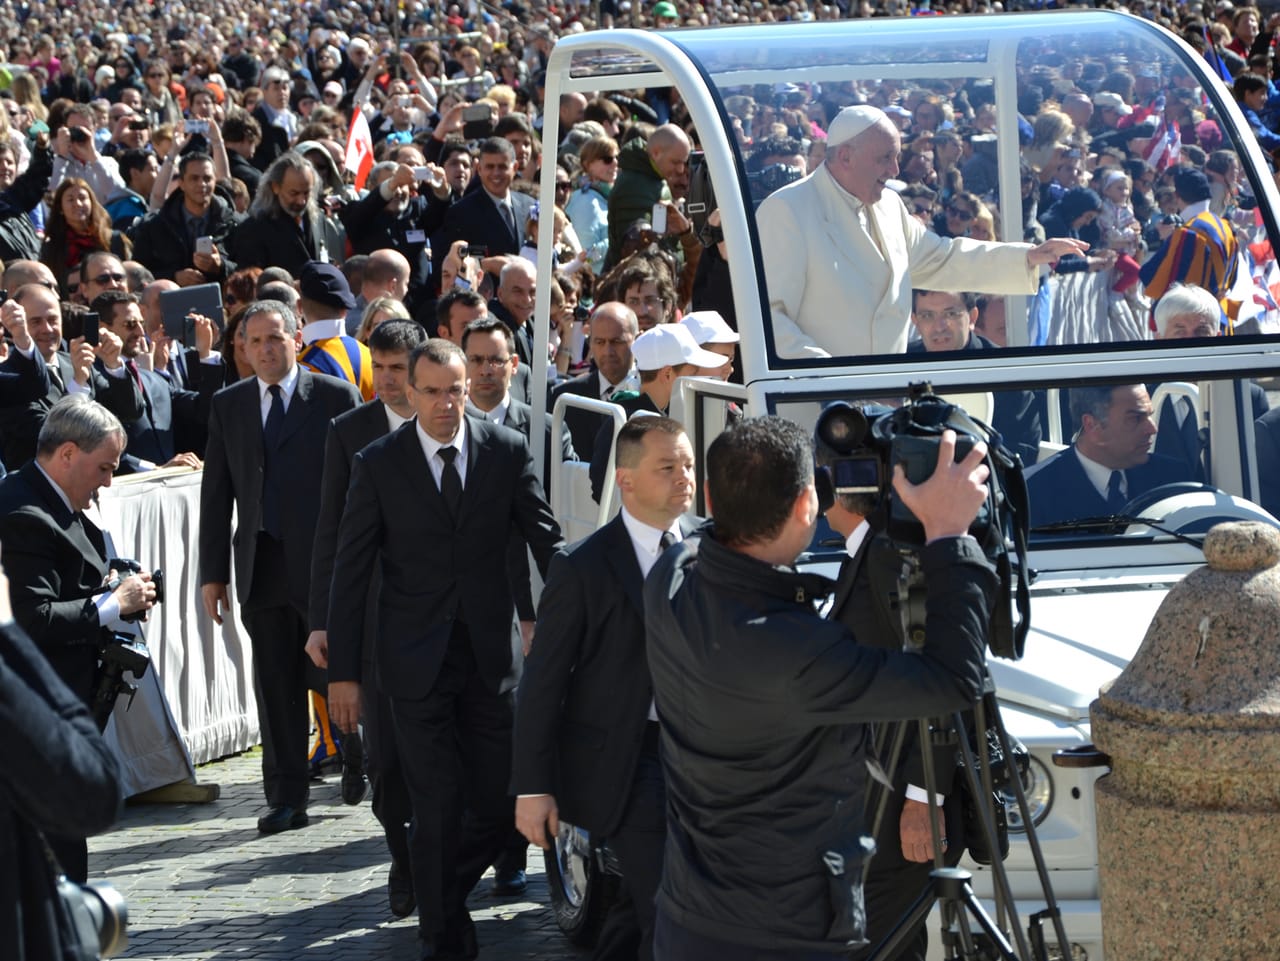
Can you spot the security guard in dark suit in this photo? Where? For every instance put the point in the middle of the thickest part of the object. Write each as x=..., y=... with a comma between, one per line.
x=586, y=741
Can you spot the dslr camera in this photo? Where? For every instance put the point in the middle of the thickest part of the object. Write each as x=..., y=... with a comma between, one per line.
x=121, y=568
x=862, y=447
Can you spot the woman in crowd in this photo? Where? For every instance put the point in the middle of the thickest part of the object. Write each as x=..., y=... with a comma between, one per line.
x=157, y=99
x=78, y=224
x=588, y=206
x=379, y=311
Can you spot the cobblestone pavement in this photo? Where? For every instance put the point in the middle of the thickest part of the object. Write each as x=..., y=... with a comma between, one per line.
x=201, y=883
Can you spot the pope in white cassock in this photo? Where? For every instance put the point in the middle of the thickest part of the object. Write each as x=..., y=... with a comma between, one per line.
x=841, y=253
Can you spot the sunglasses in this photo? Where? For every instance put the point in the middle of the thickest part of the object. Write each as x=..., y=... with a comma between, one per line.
x=961, y=214
x=108, y=277
x=563, y=185
x=611, y=159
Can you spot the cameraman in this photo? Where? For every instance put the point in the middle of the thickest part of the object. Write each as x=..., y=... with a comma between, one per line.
x=57, y=557
x=764, y=705
x=61, y=778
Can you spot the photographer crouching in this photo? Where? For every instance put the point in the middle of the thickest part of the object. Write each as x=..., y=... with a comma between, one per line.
x=764, y=705
x=65, y=595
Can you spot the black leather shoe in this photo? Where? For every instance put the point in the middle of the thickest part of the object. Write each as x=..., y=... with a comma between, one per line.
x=438, y=948
x=282, y=817
x=507, y=883
x=400, y=894
x=354, y=784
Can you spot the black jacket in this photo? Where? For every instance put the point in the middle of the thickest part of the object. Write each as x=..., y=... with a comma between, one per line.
x=242, y=169
x=371, y=227
x=266, y=240
x=764, y=707
x=60, y=776
x=18, y=240
x=161, y=244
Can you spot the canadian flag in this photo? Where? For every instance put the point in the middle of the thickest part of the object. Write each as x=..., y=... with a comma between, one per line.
x=359, y=158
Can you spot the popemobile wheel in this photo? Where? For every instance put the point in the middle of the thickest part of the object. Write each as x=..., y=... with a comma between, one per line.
x=581, y=892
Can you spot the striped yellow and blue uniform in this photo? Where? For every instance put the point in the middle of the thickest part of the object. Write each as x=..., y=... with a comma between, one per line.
x=1203, y=253
x=342, y=357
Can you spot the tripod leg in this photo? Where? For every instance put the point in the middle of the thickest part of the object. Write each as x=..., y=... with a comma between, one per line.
x=989, y=928
x=999, y=875
x=1033, y=840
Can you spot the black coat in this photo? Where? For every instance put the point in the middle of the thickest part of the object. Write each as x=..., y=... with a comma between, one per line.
x=59, y=776
x=244, y=170
x=56, y=561
x=435, y=569
x=348, y=435
x=585, y=696
x=233, y=477
x=764, y=707
x=170, y=416
x=161, y=243
x=265, y=240
x=20, y=424
x=275, y=140
x=370, y=227
x=18, y=240
x=476, y=220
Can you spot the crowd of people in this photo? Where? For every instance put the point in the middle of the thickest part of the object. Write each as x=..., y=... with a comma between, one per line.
x=375, y=320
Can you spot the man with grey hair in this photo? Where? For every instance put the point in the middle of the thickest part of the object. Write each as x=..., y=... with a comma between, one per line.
x=513, y=304
x=284, y=227
x=56, y=557
x=279, y=124
x=838, y=237
x=271, y=476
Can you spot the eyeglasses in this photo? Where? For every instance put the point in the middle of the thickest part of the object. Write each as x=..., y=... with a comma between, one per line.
x=951, y=315
x=922, y=209
x=108, y=278
x=961, y=214
x=611, y=159
x=563, y=185
x=480, y=360
x=131, y=325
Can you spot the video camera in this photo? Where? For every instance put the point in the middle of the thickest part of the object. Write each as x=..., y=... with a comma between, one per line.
x=861, y=452
x=701, y=200
x=99, y=917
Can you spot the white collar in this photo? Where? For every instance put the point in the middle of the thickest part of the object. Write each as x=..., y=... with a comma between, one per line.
x=648, y=539
x=856, y=537
x=323, y=330
x=287, y=386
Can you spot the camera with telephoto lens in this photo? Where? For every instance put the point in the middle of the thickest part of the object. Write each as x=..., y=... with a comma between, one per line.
x=98, y=915
x=861, y=448
x=121, y=568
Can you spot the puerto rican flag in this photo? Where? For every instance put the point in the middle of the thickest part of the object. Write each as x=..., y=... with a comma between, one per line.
x=359, y=157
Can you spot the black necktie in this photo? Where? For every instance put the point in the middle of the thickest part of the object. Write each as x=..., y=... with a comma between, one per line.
x=271, y=480
x=55, y=377
x=132, y=368
x=665, y=541
x=1115, y=499
x=450, y=480
x=509, y=219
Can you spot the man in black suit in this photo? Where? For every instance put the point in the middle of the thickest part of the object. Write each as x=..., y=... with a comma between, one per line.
x=390, y=345
x=168, y=411
x=492, y=365
x=663, y=354
x=513, y=305
x=277, y=124
x=65, y=372
x=1110, y=462
x=271, y=476
x=945, y=321
x=614, y=329
x=494, y=216
x=586, y=739
x=448, y=649
x=455, y=311
x=283, y=228
x=56, y=557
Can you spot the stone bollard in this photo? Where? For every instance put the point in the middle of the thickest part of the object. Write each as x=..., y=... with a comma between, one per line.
x=1188, y=835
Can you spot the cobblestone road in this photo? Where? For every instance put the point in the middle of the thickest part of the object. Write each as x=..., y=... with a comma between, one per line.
x=201, y=883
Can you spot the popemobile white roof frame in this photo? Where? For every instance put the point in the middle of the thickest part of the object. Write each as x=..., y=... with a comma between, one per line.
x=697, y=62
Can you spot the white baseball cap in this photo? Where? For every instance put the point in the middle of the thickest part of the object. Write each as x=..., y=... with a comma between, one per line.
x=708, y=327
x=669, y=345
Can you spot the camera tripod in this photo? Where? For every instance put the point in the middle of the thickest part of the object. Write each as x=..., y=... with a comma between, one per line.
x=950, y=887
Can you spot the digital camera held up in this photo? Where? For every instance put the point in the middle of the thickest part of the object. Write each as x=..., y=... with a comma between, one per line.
x=863, y=445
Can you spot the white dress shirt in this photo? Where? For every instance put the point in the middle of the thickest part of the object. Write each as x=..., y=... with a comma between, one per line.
x=1100, y=476
x=646, y=541
x=431, y=450
x=287, y=387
